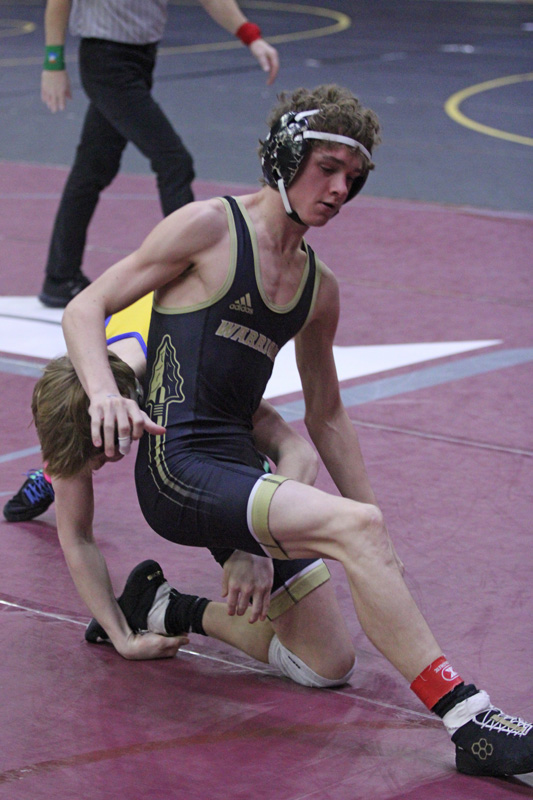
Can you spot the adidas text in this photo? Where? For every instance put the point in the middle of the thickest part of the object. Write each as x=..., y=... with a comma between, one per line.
x=243, y=304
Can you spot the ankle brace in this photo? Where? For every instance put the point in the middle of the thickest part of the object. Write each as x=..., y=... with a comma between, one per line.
x=465, y=711
x=184, y=613
x=457, y=695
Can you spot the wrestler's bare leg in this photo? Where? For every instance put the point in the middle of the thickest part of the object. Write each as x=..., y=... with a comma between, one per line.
x=309, y=523
x=313, y=629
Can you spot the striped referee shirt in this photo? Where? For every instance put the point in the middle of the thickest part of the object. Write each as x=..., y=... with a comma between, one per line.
x=128, y=21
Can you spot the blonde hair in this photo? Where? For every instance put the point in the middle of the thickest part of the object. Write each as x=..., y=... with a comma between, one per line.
x=60, y=411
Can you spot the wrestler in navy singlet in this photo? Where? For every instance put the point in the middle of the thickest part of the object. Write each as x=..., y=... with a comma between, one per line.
x=207, y=370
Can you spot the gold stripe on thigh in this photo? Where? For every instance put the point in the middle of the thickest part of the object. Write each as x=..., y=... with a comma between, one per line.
x=289, y=595
x=258, y=520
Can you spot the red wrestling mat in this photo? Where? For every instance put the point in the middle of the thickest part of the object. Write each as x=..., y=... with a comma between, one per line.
x=448, y=444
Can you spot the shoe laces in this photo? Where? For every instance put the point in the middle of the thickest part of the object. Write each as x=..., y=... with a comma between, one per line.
x=37, y=487
x=495, y=720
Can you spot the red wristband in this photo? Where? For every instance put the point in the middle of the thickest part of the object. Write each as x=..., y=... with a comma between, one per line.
x=435, y=681
x=248, y=32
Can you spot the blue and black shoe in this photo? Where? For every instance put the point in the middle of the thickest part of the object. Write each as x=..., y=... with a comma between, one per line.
x=32, y=499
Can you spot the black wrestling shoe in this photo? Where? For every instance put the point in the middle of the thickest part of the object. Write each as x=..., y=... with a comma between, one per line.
x=58, y=294
x=135, y=601
x=31, y=500
x=494, y=743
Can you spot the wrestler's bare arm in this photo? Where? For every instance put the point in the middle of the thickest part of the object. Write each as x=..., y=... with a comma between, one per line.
x=187, y=240
x=248, y=578
x=74, y=512
x=291, y=453
x=326, y=418
x=163, y=256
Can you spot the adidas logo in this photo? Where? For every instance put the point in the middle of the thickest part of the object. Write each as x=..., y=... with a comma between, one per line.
x=244, y=304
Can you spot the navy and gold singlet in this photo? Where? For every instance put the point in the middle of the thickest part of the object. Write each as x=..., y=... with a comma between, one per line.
x=203, y=482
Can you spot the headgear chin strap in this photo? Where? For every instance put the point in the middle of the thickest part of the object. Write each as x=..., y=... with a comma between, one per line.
x=286, y=146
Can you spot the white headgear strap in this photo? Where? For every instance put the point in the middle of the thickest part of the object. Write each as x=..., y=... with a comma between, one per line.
x=330, y=137
x=335, y=137
x=284, y=198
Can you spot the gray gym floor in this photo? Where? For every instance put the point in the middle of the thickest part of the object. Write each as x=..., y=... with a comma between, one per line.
x=404, y=59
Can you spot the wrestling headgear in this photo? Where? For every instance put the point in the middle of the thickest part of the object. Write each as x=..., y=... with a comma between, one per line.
x=286, y=146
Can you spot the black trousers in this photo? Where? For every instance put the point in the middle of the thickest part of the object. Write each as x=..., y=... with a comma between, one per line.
x=117, y=79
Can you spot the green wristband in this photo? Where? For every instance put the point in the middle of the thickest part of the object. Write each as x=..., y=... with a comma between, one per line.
x=53, y=57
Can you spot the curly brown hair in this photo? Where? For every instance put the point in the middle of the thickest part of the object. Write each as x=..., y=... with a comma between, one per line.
x=340, y=112
x=60, y=411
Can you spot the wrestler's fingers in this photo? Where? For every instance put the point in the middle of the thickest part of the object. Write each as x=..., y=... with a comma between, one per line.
x=149, y=425
x=116, y=424
x=243, y=603
x=96, y=427
x=140, y=422
x=146, y=645
x=172, y=645
x=124, y=445
x=224, y=584
x=257, y=607
x=260, y=606
x=136, y=420
x=232, y=597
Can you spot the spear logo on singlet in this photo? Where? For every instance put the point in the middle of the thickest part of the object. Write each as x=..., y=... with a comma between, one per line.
x=166, y=382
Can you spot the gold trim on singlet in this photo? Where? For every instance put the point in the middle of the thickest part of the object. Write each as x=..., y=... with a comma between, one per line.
x=297, y=588
x=229, y=277
x=258, y=508
x=318, y=275
x=257, y=266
